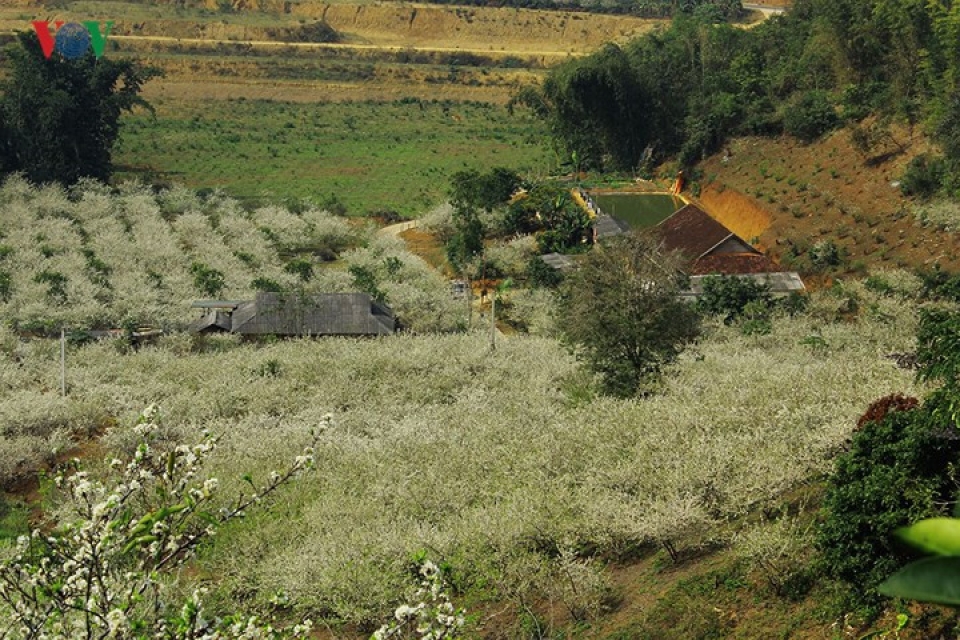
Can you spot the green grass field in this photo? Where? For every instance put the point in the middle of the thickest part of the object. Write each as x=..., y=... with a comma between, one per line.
x=371, y=156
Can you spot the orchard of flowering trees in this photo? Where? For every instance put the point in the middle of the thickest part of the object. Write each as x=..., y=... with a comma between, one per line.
x=93, y=257
x=504, y=465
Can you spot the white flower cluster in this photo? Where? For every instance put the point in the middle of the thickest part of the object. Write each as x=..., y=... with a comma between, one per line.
x=102, y=575
x=433, y=617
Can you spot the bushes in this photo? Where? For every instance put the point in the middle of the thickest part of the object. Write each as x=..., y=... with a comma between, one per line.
x=924, y=176
x=209, y=281
x=899, y=469
x=729, y=295
x=825, y=255
x=810, y=116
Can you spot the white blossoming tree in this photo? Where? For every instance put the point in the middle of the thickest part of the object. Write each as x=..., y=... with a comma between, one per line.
x=433, y=617
x=101, y=574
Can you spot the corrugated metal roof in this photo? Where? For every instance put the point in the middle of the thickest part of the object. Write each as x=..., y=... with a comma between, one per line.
x=781, y=282
x=559, y=261
x=345, y=314
x=606, y=226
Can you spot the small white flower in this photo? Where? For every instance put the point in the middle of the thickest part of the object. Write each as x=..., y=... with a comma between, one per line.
x=116, y=622
x=403, y=612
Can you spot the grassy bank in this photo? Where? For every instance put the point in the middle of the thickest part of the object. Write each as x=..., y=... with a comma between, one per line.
x=369, y=155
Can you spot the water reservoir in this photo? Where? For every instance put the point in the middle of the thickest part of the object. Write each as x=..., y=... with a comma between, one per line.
x=639, y=210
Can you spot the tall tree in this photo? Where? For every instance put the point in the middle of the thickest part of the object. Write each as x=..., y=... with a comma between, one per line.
x=61, y=117
x=622, y=310
x=597, y=108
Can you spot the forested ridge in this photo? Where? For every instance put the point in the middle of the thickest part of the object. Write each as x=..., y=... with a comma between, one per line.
x=825, y=63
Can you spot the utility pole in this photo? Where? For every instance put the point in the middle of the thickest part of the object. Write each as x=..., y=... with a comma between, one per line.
x=63, y=362
x=493, y=321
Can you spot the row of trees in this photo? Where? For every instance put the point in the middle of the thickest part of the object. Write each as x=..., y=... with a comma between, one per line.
x=685, y=89
x=726, y=9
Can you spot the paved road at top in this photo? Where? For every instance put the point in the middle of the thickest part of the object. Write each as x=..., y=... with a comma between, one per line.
x=765, y=10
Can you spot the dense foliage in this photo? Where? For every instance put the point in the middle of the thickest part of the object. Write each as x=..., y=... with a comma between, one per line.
x=687, y=88
x=901, y=467
x=622, y=311
x=898, y=470
x=60, y=118
x=728, y=295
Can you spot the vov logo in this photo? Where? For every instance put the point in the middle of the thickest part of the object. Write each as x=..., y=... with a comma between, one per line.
x=73, y=39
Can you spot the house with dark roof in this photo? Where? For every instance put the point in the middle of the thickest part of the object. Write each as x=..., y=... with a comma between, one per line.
x=711, y=249
x=279, y=314
x=696, y=235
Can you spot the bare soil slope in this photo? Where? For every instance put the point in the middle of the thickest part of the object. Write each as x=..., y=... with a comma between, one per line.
x=389, y=25
x=826, y=191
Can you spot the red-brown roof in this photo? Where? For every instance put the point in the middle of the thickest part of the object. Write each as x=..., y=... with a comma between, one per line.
x=733, y=263
x=692, y=231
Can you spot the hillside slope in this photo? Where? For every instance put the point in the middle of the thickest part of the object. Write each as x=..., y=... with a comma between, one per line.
x=826, y=191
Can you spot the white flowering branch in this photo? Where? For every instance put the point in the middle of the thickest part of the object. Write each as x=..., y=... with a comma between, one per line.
x=433, y=617
x=100, y=576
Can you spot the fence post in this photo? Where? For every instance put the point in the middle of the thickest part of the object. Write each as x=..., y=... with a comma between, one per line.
x=63, y=362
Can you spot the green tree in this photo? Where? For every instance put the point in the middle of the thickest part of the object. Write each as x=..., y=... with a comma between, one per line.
x=621, y=309
x=597, y=109
x=467, y=239
x=810, y=116
x=366, y=280
x=208, y=280
x=61, y=117
x=484, y=190
x=300, y=267
x=730, y=295
x=901, y=467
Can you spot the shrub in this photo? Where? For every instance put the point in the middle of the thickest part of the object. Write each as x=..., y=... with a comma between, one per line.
x=810, y=116
x=266, y=285
x=938, y=283
x=729, y=295
x=924, y=176
x=899, y=468
x=943, y=214
x=209, y=281
x=540, y=274
x=824, y=255
x=300, y=267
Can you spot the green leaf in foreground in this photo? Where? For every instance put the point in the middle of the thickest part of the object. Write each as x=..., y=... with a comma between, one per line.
x=934, y=580
x=940, y=536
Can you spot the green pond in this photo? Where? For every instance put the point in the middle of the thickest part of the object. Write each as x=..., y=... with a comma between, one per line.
x=639, y=210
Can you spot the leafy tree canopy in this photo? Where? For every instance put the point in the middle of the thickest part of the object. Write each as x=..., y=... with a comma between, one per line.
x=60, y=118
x=622, y=311
x=484, y=190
